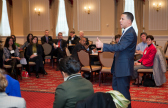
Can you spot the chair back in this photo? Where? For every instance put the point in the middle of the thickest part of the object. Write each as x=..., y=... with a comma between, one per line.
x=106, y=58
x=67, y=52
x=47, y=48
x=165, y=47
x=84, y=57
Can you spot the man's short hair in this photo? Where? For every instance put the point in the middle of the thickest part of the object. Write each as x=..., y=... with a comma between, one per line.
x=59, y=33
x=117, y=36
x=129, y=16
x=150, y=36
x=143, y=33
x=46, y=30
x=72, y=32
x=69, y=65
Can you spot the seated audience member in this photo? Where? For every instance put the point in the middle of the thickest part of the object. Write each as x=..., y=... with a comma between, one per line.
x=11, y=54
x=81, y=34
x=29, y=38
x=46, y=38
x=117, y=38
x=73, y=39
x=141, y=46
x=59, y=48
x=14, y=38
x=80, y=46
x=146, y=62
x=34, y=54
x=9, y=101
x=75, y=87
x=13, y=88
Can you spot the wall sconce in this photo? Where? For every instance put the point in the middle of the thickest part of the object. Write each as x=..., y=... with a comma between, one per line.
x=38, y=11
x=87, y=9
x=157, y=6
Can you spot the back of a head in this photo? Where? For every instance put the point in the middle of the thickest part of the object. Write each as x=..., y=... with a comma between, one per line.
x=129, y=16
x=3, y=82
x=69, y=65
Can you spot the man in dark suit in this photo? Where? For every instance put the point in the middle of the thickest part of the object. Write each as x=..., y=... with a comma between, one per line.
x=73, y=38
x=123, y=64
x=78, y=47
x=59, y=48
x=75, y=87
x=46, y=38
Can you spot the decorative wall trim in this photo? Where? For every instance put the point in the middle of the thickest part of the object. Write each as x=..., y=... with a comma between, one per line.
x=158, y=20
x=42, y=22
x=88, y=22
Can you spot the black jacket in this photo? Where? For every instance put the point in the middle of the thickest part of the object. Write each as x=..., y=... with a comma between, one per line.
x=43, y=40
x=75, y=41
x=76, y=49
x=29, y=51
x=97, y=100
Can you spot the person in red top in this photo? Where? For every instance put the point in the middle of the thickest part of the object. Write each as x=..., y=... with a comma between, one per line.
x=146, y=62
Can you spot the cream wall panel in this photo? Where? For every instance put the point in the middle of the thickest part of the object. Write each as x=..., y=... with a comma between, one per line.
x=42, y=22
x=158, y=20
x=88, y=22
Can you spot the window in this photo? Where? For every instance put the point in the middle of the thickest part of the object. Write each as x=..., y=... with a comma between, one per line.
x=129, y=7
x=4, y=25
x=62, y=25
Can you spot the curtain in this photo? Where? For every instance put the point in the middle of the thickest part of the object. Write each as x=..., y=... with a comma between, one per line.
x=0, y=10
x=54, y=16
x=10, y=14
x=69, y=14
x=119, y=11
x=138, y=4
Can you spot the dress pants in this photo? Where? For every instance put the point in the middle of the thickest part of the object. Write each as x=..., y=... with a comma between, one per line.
x=122, y=84
x=58, y=53
x=13, y=62
x=39, y=63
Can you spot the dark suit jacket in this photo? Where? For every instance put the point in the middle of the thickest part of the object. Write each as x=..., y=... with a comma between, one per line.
x=43, y=40
x=72, y=91
x=63, y=43
x=75, y=41
x=29, y=51
x=76, y=49
x=123, y=65
x=97, y=100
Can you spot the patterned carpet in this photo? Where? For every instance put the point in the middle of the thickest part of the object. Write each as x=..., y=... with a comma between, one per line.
x=48, y=84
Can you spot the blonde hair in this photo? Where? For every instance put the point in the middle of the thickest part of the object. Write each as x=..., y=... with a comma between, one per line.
x=3, y=82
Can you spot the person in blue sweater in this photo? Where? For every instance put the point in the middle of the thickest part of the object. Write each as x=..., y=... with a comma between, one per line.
x=13, y=88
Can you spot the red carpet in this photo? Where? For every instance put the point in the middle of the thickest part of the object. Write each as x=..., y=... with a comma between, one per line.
x=45, y=100
x=49, y=82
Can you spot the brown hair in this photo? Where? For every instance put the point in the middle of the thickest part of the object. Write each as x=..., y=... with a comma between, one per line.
x=3, y=83
x=32, y=40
